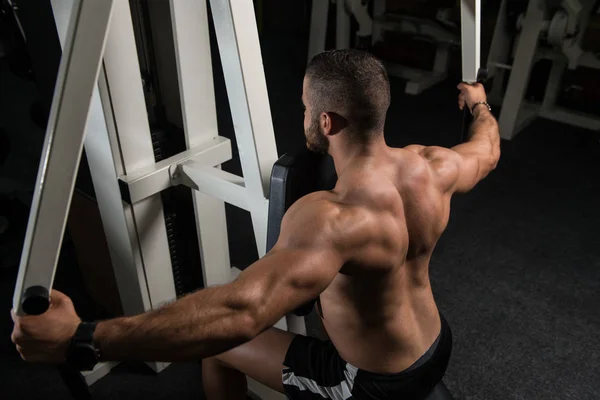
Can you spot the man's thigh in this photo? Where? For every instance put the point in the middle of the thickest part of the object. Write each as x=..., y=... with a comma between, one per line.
x=261, y=358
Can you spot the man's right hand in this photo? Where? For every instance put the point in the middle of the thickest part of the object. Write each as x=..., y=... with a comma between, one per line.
x=470, y=94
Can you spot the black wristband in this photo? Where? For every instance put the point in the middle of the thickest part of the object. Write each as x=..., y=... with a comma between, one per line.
x=82, y=353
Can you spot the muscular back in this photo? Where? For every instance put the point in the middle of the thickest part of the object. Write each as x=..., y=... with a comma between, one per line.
x=364, y=249
x=379, y=310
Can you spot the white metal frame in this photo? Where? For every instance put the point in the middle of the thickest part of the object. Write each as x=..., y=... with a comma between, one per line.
x=418, y=80
x=135, y=234
x=516, y=113
x=344, y=10
x=318, y=27
x=378, y=15
x=119, y=151
x=510, y=121
x=189, y=19
x=59, y=163
x=500, y=50
x=342, y=26
x=470, y=22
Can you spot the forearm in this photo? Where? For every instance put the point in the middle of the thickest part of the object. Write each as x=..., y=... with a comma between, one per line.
x=484, y=129
x=478, y=156
x=197, y=326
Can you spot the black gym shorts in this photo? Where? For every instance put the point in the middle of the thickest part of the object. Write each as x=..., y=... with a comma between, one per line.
x=313, y=369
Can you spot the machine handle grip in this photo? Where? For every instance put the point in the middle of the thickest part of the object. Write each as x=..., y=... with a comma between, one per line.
x=482, y=76
x=36, y=301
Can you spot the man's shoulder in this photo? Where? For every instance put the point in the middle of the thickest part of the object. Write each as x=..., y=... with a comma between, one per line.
x=429, y=153
x=441, y=164
x=313, y=209
x=318, y=218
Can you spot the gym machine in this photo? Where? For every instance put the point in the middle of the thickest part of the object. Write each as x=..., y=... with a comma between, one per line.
x=546, y=30
x=370, y=31
x=99, y=79
x=99, y=103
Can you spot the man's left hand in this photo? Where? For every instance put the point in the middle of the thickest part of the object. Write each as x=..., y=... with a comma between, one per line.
x=45, y=338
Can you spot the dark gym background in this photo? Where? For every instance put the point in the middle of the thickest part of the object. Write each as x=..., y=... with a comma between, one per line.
x=517, y=273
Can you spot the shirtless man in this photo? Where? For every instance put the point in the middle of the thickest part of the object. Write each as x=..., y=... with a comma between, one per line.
x=363, y=248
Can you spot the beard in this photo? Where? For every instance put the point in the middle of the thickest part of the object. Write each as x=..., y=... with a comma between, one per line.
x=315, y=139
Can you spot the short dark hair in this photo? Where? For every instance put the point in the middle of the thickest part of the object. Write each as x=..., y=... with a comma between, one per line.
x=352, y=83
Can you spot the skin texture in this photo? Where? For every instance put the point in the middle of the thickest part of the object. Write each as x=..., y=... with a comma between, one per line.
x=364, y=247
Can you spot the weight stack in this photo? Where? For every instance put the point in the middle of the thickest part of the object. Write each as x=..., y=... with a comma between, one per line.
x=179, y=215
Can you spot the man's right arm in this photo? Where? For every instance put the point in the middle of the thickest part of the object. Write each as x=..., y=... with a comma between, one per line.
x=479, y=156
x=459, y=169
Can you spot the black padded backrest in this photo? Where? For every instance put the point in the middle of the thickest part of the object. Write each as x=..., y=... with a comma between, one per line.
x=294, y=176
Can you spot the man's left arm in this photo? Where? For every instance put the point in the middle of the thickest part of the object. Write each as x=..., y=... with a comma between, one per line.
x=210, y=321
x=216, y=319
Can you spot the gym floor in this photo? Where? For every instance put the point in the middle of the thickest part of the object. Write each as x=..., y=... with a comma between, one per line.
x=517, y=273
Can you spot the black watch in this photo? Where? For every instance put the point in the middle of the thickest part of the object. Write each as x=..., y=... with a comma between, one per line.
x=82, y=354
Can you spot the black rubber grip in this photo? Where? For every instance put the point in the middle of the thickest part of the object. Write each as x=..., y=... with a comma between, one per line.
x=36, y=300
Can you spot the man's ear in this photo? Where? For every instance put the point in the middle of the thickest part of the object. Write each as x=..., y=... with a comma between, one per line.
x=332, y=123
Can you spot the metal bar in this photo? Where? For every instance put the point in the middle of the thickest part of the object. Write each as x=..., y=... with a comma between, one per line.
x=133, y=139
x=500, y=53
x=442, y=57
x=61, y=153
x=189, y=19
x=378, y=13
x=587, y=59
x=501, y=43
x=216, y=183
x=529, y=113
x=418, y=26
x=100, y=371
x=418, y=80
x=241, y=59
x=415, y=87
x=102, y=169
x=106, y=164
x=360, y=10
x=129, y=133
x=404, y=72
x=318, y=27
x=152, y=180
x=342, y=26
x=103, y=173
x=574, y=118
x=519, y=75
x=553, y=84
x=502, y=66
x=470, y=22
x=62, y=11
